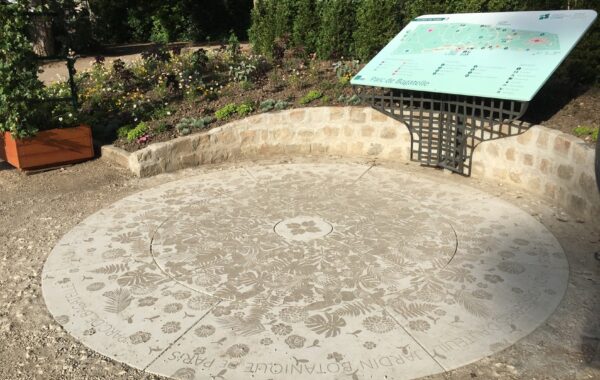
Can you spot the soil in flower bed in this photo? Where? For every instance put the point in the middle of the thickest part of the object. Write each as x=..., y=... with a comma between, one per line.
x=276, y=85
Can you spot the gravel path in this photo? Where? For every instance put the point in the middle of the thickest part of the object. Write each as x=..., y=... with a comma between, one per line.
x=36, y=210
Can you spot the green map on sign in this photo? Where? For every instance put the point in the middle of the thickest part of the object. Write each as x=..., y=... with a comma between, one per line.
x=505, y=55
x=462, y=38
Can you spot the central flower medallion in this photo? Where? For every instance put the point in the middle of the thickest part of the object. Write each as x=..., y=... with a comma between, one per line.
x=303, y=228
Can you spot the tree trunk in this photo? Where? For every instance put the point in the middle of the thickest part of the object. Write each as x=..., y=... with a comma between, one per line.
x=41, y=30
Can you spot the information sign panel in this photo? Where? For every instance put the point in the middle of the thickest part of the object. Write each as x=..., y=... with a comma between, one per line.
x=507, y=55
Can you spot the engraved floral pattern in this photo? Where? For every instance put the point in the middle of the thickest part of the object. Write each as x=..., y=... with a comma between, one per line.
x=311, y=273
x=295, y=341
x=238, y=350
x=204, y=331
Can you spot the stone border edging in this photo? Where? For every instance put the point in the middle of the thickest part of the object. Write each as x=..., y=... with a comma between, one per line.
x=543, y=161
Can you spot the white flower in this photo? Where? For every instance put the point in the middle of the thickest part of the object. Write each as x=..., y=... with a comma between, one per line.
x=135, y=106
x=70, y=115
x=60, y=119
x=169, y=113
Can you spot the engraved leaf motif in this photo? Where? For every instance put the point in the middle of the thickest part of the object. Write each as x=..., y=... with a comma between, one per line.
x=117, y=300
x=471, y=304
x=330, y=324
x=414, y=310
x=139, y=277
x=354, y=309
x=241, y=326
x=112, y=269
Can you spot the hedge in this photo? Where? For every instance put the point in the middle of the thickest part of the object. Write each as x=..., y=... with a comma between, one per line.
x=360, y=28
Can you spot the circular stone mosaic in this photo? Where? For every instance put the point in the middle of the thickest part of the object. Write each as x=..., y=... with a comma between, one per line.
x=304, y=271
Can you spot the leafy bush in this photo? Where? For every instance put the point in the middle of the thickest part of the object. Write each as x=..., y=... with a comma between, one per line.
x=345, y=70
x=305, y=28
x=140, y=130
x=226, y=112
x=267, y=105
x=311, y=97
x=337, y=23
x=19, y=85
x=242, y=72
x=244, y=109
x=281, y=105
x=234, y=50
x=350, y=100
x=124, y=131
x=193, y=123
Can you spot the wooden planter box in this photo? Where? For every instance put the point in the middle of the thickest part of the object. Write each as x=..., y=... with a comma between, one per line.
x=48, y=148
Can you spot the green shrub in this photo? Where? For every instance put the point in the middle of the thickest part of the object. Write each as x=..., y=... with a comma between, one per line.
x=305, y=28
x=140, y=130
x=266, y=105
x=337, y=23
x=20, y=88
x=244, y=109
x=233, y=47
x=226, y=112
x=377, y=22
x=281, y=105
x=186, y=125
x=311, y=97
x=242, y=72
x=162, y=127
x=123, y=131
x=344, y=71
x=584, y=130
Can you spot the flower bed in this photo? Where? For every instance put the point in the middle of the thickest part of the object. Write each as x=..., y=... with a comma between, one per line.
x=172, y=93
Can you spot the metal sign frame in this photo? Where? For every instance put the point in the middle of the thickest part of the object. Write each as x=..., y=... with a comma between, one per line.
x=445, y=129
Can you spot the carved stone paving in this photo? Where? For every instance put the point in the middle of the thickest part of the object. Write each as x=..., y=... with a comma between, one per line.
x=296, y=271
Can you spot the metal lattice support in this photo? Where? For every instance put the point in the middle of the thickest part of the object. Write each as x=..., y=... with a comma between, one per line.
x=445, y=129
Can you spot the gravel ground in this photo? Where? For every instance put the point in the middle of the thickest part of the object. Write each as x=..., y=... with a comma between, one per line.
x=36, y=210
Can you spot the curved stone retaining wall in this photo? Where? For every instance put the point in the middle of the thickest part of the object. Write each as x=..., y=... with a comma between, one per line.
x=546, y=162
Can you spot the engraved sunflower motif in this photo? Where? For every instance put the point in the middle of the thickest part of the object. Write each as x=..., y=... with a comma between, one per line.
x=204, y=331
x=419, y=325
x=173, y=308
x=295, y=341
x=140, y=337
x=171, y=327
x=293, y=314
x=379, y=324
x=147, y=301
x=281, y=329
x=238, y=350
